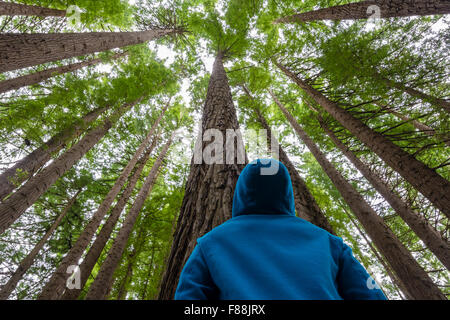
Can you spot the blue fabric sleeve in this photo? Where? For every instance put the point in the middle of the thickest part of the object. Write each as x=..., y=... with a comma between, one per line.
x=195, y=281
x=354, y=283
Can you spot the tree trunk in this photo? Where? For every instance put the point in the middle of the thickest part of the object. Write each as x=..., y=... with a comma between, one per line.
x=122, y=291
x=412, y=275
x=398, y=284
x=209, y=189
x=367, y=9
x=25, y=50
x=27, y=166
x=13, y=207
x=414, y=92
x=415, y=221
x=56, y=285
x=15, y=9
x=149, y=275
x=305, y=204
x=426, y=180
x=37, y=77
x=97, y=290
x=26, y=263
x=103, y=236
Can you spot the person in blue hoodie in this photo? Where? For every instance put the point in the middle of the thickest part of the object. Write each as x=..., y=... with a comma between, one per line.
x=265, y=252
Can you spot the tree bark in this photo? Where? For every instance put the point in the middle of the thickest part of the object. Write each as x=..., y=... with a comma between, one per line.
x=27, y=166
x=305, y=204
x=13, y=207
x=426, y=180
x=26, y=263
x=103, y=236
x=25, y=50
x=15, y=9
x=209, y=189
x=431, y=238
x=37, y=77
x=56, y=285
x=363, y=10
x=97, y=290
x=412, y=275
x=398, y=284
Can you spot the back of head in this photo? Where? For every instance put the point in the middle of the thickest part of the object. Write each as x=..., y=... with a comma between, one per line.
x=264, y=187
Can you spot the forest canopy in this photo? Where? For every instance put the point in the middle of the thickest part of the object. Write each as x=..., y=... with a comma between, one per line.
x=103, y=104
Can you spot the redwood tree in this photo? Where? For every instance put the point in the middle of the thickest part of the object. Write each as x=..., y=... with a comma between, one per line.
x=426, y=180
x=432, y=239
x=409, y=272
x=55, y=286
x=363, y=10
x=103, y=281
x=13, y=207
x=25, y=50
x=104, y=235
x=16, y=9
x=209, y=189
x=36, y=77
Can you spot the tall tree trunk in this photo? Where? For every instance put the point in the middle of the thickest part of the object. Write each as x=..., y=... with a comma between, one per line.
x=13, y=207
x=305, y=204
x=37, y=77
x=104, y=235
x=412, y=275
x=414, y=92
x=208, y=197
x=398, y=284
x=415, y=221
x=56, y=285
x=418, y=125
x=27, y=166
x=16, y=9
x=25, y=50
x=26, y=263
x=426, y=180
x=97, y=290
x=149, y=274
x=363, y=10
x=122, y=290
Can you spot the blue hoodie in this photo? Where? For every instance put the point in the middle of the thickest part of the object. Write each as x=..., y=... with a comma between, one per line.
x=265, y=252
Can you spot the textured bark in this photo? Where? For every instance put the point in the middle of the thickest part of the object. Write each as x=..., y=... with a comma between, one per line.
x=432, y=239
x=360, y=10
x=104, y=235
x=385, y=265
x=56, y=285
x=104, y=278
x=209, y=189
x=37, y=77
x=28, y=165
x=408, y=271
x=25, y=50
x=13, y=207
x=15, y=9
x=305, y=204
x=426, y=180
x=26, y=262
x=414, y=92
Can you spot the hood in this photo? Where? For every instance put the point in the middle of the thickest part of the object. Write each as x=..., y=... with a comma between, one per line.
x=264, y=187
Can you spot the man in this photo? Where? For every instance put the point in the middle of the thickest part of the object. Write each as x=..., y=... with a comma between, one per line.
x=265, y=252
